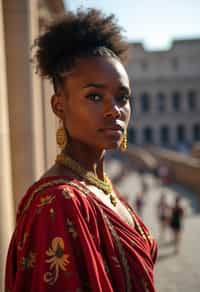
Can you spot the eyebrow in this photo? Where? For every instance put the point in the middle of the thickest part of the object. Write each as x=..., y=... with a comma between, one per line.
x=101, y=85
x=97, y=85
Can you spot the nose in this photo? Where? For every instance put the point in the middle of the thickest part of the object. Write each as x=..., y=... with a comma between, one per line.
x=113, y=112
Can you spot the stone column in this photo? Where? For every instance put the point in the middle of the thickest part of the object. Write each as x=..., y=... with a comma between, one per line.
x=24, y=94
x=6, y=199
x=51, y=123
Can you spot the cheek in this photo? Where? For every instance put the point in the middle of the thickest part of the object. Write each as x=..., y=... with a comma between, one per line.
x=127, y=113
x=79, y=119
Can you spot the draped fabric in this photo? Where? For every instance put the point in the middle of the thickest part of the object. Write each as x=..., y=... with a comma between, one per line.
x=66, y=239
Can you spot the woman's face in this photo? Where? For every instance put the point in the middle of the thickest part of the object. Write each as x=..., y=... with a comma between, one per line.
x=96, y=103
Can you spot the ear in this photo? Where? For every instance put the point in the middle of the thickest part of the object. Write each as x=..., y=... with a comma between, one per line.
x=57, y=104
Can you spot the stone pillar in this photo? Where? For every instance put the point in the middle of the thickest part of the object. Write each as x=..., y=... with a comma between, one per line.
x=51, y=123
x=37, y=105
x=6, y=199
x=24, y=94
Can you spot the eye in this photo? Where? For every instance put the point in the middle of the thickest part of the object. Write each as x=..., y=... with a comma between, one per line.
x=94, y=97
x=123, y=98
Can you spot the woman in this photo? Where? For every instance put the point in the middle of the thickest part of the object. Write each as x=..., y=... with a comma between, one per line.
x=176, y=223
x=74, y=232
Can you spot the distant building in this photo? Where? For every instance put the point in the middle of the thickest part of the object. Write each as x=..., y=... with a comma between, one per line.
x=166, y=90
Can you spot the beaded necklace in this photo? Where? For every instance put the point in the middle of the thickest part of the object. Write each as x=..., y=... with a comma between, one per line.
x=104, y=185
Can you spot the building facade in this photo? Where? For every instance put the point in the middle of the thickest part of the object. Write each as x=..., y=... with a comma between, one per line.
x=27, y=126
x=166, y=95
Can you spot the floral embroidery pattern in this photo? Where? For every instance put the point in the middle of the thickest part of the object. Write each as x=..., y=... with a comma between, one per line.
x=29, y=261
x=22, y=242
x=45, y=200
x=67, y=194
x=71, y=228
x=58, y=260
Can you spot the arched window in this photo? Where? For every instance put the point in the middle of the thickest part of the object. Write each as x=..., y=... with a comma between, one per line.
x=131, y=135
x=148, y=135
x=196, y=132
x=161, y=102
x=176, y=101
x=164, y=135
x=145, y=103
x=192, y=100
x=181, y=136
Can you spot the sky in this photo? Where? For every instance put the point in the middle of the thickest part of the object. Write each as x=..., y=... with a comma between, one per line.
x=155, y=23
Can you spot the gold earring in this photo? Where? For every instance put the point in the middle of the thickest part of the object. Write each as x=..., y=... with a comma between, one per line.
x=61, y=136
x=123, y=145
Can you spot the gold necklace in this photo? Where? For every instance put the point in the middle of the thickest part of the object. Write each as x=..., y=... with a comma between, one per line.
x=104, y=185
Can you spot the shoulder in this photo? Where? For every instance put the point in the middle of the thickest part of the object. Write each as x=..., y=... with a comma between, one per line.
x=52, y=192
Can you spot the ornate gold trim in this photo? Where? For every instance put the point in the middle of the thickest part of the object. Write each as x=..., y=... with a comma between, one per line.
x=39, y=189
x=123, y=259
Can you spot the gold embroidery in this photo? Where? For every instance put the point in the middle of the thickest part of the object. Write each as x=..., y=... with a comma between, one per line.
x=123, y=258
x=58, y=260
x=29, y=261
x=72, y=229
x=22, y=242
x=39, y=189
x=145, y=235
x=67, y=194
x=52, y=213
x=45, y=200
x=80, y=187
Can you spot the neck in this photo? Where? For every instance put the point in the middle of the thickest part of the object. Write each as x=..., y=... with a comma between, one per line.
x=89, y=157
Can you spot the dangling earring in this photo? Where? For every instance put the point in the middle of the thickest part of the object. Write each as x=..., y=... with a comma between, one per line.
x=123, y=145
x=61, y=136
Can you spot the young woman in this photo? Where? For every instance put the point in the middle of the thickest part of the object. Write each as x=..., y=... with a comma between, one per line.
x=74, y=232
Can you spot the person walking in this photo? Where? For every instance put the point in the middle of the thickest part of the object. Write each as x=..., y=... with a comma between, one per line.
x=176, y=223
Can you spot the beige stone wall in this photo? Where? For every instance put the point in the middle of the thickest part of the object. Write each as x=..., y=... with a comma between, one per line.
x=27, y=125
x=24, y=95
x=6, y=195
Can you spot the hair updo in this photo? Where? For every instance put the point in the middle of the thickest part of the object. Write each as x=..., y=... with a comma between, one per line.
x=84, y=33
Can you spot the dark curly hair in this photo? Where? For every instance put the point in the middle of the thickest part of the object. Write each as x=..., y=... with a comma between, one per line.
x=84, y=33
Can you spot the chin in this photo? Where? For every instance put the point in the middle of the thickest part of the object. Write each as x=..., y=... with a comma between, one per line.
x=113, y=146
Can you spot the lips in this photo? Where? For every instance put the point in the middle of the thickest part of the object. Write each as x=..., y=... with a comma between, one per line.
x=112, y=131
x=112, y=128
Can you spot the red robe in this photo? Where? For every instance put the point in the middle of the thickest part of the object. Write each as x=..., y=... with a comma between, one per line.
x=67, y=240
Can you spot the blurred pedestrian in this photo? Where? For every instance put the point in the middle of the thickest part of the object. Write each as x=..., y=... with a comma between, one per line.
x=163, y=215
x=163, y=172
x=176, y=222
x=144, y=185
x=139, y=203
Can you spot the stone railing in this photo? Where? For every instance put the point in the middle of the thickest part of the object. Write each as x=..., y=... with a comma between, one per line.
x=141, y=158
x=184, y=169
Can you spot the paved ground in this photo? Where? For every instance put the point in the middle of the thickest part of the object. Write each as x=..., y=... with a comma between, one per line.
x=173, y=272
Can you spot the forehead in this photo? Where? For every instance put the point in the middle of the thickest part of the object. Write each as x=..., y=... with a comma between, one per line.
x=105, y=70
